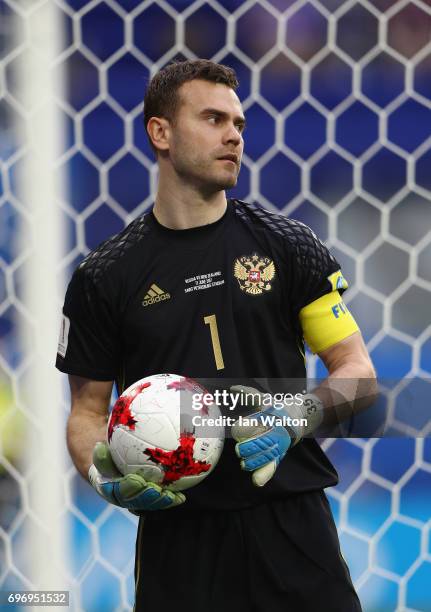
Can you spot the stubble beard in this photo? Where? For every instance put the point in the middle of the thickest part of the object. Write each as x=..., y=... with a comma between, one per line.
x=205, y=174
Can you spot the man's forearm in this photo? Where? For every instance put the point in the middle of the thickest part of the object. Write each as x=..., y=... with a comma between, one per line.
x=349, y=389
x=83, y=431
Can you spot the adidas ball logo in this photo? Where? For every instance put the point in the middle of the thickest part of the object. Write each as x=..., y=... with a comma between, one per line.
x=155, y=295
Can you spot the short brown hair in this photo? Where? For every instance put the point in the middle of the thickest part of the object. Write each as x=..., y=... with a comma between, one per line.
x=161, y=98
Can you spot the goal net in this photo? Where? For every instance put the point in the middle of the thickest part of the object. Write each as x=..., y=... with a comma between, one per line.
x=337, y=96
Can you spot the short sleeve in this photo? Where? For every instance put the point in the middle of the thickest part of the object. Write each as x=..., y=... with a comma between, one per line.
x=318, y=285
x=316, y=271
x=88, y=341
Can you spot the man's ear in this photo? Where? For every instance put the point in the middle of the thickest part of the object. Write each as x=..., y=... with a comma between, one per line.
x=159, y=131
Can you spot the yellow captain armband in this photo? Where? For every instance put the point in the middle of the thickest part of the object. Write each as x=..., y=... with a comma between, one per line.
x=326, y=321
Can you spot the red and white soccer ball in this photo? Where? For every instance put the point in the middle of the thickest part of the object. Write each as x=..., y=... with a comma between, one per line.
x=150, y=432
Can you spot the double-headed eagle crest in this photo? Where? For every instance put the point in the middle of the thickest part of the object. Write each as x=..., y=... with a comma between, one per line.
x=254, y=273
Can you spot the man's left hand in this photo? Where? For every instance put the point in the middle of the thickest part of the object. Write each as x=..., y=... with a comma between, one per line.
x=260, y=446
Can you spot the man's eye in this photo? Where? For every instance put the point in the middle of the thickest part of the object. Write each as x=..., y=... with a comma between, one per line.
x=213, y=119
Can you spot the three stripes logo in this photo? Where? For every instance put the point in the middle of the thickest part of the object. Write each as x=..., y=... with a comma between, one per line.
x=154, y=295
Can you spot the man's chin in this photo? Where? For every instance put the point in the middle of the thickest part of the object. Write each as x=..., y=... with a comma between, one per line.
x=228, y=182
x=219, y=182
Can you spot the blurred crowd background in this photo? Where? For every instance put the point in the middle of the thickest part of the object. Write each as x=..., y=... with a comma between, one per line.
x=337, y=97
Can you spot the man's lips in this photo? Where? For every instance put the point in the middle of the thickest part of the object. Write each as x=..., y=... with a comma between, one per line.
x=229, y=157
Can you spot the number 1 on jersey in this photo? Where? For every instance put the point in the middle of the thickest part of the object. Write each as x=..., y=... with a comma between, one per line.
x=212, y=322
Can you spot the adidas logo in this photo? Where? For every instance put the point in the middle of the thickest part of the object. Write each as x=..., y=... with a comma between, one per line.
x=154, y=295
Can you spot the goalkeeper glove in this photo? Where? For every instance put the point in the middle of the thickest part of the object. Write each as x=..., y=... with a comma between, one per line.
x=260, y=446
x=132, y=491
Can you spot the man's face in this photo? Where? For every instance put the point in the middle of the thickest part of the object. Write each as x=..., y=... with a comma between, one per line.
x=206, y=141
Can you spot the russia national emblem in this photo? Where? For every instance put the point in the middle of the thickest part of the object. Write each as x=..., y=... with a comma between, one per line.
x=254, y=273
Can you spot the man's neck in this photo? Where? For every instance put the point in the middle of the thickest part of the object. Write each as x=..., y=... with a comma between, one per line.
x=184, y=207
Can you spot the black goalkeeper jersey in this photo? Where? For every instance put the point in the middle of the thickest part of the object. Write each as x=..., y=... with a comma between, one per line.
x=219, y=301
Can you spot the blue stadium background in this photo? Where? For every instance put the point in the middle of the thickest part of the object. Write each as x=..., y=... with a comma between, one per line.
x=338, y=104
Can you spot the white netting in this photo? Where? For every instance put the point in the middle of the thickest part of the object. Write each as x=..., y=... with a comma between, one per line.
x=338, y=102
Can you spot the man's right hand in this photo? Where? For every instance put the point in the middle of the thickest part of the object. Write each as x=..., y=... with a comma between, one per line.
x=132, y=491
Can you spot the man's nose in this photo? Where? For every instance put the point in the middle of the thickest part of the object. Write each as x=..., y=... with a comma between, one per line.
x=233, y=135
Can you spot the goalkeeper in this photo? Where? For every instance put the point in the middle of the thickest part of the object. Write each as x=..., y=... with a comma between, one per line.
x=216, y=288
